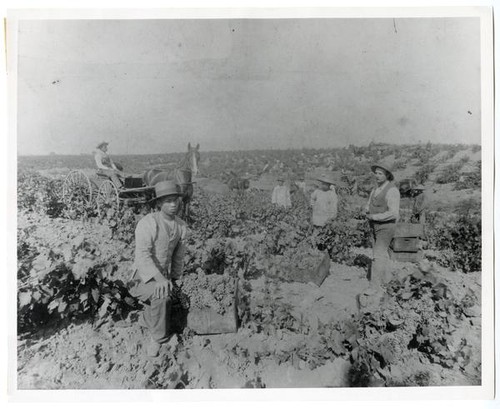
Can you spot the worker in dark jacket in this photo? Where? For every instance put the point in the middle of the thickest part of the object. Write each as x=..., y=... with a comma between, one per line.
x=419, y=204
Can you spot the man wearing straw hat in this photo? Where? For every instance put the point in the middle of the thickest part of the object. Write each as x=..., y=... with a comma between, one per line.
x=382, y=212
x=160, y=245
x=106, y=165
x=324, y=201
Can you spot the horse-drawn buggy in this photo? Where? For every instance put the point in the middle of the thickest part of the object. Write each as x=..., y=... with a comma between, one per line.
x=102, y=189
x=99, y=188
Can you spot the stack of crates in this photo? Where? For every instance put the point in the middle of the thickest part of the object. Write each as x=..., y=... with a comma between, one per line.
x=405, y=245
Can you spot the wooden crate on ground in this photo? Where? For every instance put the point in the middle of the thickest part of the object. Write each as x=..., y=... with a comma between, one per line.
x=207, y=321
x=409, y=230
x=406, y=256
x=405, y=245
x=315, y=275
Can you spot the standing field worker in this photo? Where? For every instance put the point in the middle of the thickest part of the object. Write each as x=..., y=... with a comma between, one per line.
x=419, y=205
x=324, y=201
x=106, y=165
x=281, y=194
x=382, y=212
x=301, y=184
x=160, y=245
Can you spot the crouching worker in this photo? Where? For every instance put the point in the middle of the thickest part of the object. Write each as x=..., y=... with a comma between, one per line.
x=160, y=245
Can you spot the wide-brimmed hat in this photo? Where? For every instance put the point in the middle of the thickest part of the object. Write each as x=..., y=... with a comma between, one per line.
x=418, y=187
x=280, y=177
x=385, y=167
x=326, y=178
x=166, y=188
x=102, y=144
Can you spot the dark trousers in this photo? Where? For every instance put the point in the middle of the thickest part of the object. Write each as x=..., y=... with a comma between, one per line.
x=382, y=235
x=157, y=312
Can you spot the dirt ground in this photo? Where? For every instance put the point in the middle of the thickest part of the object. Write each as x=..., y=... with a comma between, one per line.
x=108, y=354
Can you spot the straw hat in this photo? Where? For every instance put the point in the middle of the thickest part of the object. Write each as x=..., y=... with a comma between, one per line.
x=326, y=178
x=102, y=144
x=166, y=188
x=385, y=167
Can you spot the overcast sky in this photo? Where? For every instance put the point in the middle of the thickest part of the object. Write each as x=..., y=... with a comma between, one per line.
x=151, y=86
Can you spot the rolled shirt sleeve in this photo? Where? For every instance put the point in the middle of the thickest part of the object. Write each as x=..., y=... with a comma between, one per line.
x=367, y=206
x=393, y=199
x=335, y=201
x=274, y=197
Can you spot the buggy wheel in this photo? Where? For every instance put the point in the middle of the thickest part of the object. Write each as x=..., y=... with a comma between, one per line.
x=107, y=199
x=77, y=187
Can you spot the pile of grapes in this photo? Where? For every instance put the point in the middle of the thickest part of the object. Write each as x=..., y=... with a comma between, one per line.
x=200, y=291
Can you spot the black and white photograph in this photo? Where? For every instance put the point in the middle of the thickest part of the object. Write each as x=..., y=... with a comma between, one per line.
x=272, y=200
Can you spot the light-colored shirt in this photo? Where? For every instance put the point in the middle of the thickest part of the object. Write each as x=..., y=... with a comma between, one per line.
x=281, y=196
x=301, y=185
x=324, y=206
x=160, y=247
x=102, y=160
x=393, y=199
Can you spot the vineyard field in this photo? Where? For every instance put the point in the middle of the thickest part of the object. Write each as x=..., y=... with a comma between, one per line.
x=78, y=325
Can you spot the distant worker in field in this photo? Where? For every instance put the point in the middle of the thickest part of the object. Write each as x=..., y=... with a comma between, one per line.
x=382, y=212
x=281, y=194
x=419, y=205
x=301, y=183
x=160, y=245
x=106, y=165
x=324, y=201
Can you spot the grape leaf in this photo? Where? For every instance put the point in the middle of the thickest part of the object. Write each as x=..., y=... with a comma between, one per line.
x=104, y=307
x=62, y=306
x=53, y=304
x=24, y=298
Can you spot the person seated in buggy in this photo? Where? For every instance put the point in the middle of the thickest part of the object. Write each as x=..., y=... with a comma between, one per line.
x=106, y=165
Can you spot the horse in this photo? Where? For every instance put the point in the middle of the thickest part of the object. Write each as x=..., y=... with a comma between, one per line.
x=182, y=174
x=235, y=182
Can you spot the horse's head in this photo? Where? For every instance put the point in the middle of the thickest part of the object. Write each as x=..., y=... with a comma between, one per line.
x=193, y=158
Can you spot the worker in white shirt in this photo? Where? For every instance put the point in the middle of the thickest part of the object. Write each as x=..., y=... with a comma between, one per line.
x=281, y=194
x=324, y=201
x=382, y=212
x=106, y=165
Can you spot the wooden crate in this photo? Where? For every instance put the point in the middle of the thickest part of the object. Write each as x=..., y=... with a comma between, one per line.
x=405, y=244
x=315, y=276
x=409, y=230
x=405, y=256
x=206, y=321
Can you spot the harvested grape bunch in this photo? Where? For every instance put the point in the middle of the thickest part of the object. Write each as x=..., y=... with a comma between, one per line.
x=199, y=291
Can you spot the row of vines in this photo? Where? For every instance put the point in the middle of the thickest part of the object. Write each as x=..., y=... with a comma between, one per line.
x=244, y=236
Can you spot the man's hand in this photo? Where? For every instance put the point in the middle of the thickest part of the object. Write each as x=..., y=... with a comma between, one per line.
x=163, y=288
